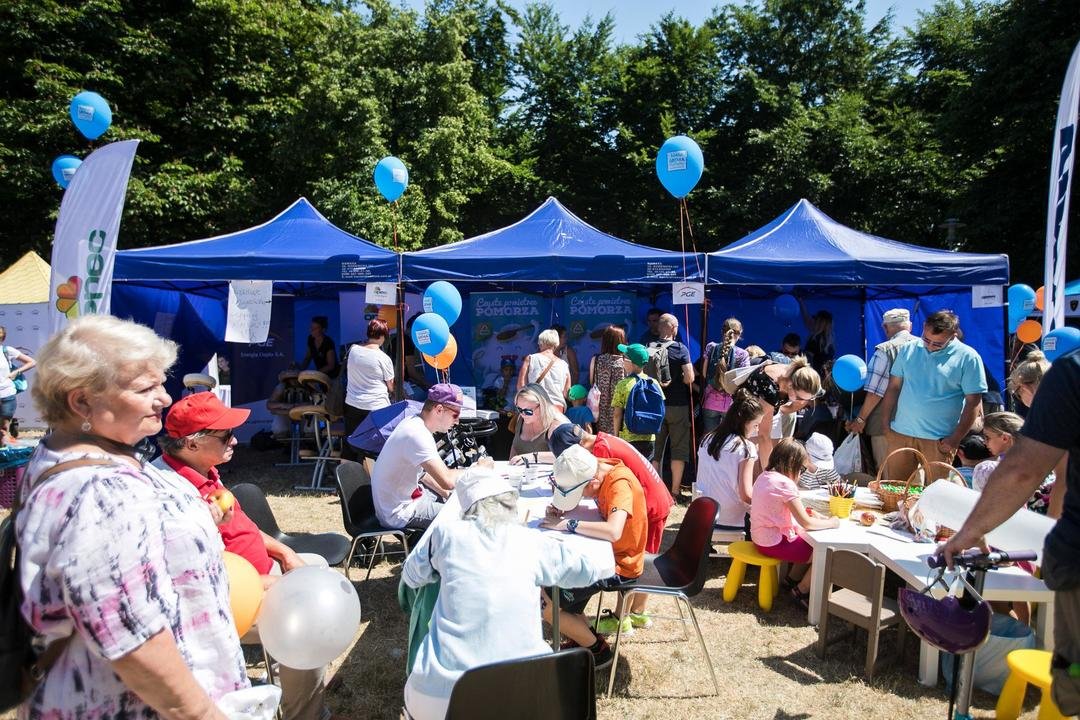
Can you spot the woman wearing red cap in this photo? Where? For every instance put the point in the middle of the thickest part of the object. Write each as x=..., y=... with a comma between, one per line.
x=121, y=565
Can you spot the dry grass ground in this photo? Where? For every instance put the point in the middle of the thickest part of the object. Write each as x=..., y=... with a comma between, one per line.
x=766, y=664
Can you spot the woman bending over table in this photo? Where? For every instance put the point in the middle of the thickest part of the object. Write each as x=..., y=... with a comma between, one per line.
x=536, y=419
x=796, y=384
x=778, y=517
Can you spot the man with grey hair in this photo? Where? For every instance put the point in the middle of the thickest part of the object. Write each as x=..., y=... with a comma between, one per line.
x=897, y=326
x=675, y=432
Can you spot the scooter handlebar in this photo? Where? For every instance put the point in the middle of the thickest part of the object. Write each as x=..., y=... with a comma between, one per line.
x=976, y=558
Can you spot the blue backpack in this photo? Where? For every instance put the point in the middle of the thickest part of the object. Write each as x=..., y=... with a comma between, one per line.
x=644, y=412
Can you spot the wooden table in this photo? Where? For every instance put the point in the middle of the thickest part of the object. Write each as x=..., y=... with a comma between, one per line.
x=534, y=497
x=908, y=560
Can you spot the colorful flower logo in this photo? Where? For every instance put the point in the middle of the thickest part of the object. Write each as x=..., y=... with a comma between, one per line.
x=67, y=297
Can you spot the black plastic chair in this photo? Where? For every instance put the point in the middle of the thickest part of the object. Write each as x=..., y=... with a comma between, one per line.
x=358, y=513
x=559, y=686
x=332, y=546
x=679, y=573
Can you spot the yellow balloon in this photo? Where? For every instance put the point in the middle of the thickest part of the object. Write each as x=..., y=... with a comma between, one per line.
x=1029, y=331
x=444, y=359
x=245, y=591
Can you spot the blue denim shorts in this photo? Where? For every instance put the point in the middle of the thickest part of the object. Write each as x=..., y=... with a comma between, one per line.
x=7, y=407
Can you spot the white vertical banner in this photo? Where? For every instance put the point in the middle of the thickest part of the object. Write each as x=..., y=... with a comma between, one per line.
x=1057, y=213
x=248, y=318
x=85, y=242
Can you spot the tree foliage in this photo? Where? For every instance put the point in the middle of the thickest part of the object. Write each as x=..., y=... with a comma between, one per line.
x=244, y=105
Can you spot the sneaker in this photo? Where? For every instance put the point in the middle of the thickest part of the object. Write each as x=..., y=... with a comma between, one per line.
x=609, y=624
x=568, y=644
x=602, y=655
x=640, y=620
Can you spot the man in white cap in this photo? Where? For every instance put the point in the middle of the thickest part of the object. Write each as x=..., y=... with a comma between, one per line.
x=897, y=326
x=624, y=524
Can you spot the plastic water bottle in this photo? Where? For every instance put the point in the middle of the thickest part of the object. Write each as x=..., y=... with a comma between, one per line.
x=949, y=505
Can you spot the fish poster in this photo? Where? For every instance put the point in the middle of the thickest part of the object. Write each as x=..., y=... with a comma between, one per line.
x=505, y=326
x=586, y=314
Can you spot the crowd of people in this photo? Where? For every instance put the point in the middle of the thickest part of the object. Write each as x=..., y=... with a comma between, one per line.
x=121, y=560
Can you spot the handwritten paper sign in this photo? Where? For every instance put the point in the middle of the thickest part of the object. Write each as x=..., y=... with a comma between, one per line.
x=248, y=319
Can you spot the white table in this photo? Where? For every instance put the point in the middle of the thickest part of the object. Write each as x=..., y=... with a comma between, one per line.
x=908, y=560
x=534, y=497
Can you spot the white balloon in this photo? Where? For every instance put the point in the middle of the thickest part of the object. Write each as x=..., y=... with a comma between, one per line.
x=309, y=617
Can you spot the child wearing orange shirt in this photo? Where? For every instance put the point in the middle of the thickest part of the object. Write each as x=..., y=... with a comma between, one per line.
x=621, y=502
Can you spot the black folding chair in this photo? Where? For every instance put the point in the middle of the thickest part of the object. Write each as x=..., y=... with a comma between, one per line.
x=559, y=686
x=332, y=546
x=679, y=573
x=358, y=513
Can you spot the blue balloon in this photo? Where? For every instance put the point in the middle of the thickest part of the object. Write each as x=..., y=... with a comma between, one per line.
x=849, y=373
x=444, y=300
x=679, y=165
x=1021, y=304
x=786, y=307
x=430, y=332
x=63, y=169
x=391, y=177
x=1059, y=341
x=91, y=114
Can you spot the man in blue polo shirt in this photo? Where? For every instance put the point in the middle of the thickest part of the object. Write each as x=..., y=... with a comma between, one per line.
x=936, y=387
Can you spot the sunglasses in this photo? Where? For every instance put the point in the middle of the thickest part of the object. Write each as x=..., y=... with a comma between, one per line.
x=527, y=412
x=225, y=439
x=565, y=492
x=455, y=412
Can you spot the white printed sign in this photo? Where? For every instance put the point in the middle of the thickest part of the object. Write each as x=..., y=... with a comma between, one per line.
x=687, y=293
x=676, y=160
x=248, y=319
x=380, y=293
x=984, y=296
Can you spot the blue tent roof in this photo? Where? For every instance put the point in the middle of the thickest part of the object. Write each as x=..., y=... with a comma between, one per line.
x=298, y=245
x=804, y=246
x=550, y=245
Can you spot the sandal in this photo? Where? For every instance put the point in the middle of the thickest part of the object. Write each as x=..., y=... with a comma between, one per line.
x=803, y=599
x=788, y=583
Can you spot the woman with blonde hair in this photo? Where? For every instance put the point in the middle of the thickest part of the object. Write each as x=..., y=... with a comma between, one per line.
x=121, y=564
x=1025, y=378
x=717, y=360
x=793, y=386
x=605, y=371
x=536, y=419
x=547, y=370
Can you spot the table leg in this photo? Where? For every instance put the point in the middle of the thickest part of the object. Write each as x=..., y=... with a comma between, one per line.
x=1044, y=625
x=928, y=664
x=817, y=578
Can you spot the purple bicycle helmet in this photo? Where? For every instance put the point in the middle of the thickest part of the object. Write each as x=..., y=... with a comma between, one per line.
x=946, y=624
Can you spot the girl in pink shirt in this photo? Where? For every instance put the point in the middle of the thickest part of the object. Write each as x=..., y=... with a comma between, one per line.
x=777, y=513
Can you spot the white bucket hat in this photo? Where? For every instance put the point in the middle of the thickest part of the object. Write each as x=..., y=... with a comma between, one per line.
x=572, y=472
x=820, y=450
x=478, y=483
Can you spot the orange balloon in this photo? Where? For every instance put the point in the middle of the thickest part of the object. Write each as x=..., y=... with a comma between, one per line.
x=444, y=359
x=245, y=591
x=1040, y=298
x=1029, y=331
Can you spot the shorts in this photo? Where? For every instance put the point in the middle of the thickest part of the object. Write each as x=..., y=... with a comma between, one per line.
x=792, y=551
x=574, y=600
x=424, y=509
x=676, y=429
x=7, y=407
x=655, y=534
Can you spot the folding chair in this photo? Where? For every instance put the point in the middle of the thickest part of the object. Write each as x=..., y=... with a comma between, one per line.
x=358, y=513
x=331, y=546
x=559, y=686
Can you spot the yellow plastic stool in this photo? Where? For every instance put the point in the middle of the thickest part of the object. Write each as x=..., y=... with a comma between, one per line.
x=1027, y=666
x=744, y=553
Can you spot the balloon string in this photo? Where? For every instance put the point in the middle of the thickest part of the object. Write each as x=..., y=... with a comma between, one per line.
x=690, y=232
x=393, y=215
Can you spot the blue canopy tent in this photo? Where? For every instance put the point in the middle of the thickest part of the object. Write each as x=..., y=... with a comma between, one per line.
x=550, y=252
x=181, y=290
x=853, y=275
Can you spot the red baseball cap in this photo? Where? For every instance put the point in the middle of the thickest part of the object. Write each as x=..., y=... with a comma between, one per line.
x=202, y=411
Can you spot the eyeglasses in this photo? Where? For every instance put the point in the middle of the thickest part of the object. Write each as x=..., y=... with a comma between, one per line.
x=790, y=353
x=934, y=344
x=565, y=492
x=527, y=412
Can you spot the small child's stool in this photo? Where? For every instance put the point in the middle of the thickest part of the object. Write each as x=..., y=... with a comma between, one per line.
x=745, y=553
x=1027, y=666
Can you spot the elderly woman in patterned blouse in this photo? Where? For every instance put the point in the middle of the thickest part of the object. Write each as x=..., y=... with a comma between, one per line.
x=121, y=564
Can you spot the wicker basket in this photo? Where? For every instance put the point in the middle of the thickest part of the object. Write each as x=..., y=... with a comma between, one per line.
x=9, y=485
x=891, y=500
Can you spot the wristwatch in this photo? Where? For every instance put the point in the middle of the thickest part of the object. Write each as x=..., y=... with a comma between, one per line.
x=861, y=421
x=571, y=526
